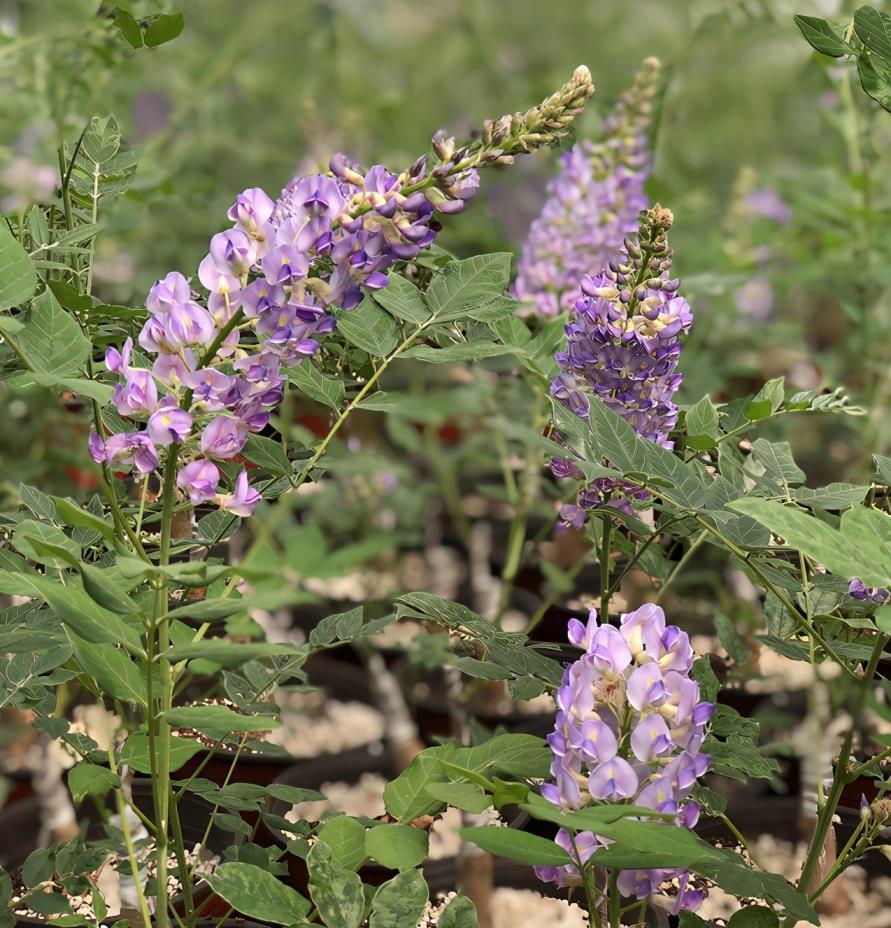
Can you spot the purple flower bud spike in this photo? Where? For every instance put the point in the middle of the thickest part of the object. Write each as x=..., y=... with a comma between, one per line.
x=592, y=204
x=623, y=342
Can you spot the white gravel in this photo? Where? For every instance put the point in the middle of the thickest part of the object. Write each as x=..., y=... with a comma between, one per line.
x=518, y=908
x=313, y=725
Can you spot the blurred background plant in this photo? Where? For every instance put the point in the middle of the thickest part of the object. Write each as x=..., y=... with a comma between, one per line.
x=770, y=156
x=780, y=209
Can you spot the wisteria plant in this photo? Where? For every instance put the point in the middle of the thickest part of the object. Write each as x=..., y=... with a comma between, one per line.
x=320, y=293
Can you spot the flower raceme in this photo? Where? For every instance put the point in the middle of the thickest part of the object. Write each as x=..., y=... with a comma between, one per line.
x=623, y=342
x=592, y=204
x=629, y=729
x=215, y=364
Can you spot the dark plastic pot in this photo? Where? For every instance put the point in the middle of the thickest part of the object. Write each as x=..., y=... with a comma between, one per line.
x=260, y=769
x=19, y=831
x=21, y=787
x=427, y=694
x=863, y=786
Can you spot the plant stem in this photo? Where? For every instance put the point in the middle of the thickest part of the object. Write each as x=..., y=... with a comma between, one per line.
x=448, y=485
x=614, y=900
x=590, y=892
x=162, y=771
x=515, y=543
x=780, y=594
x=739, y=837
x=681, y=564
x=235, y=758
x=366, y=389
x=271, y=523
x=182, y=865
x=128, y=842
x=523, y=496
x=861, y=768
x=839, y=864
x=824, y=821
x=606, y=538
x=632, y=561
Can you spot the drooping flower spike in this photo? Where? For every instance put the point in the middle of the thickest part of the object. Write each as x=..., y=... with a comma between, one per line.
x=629, y=728
x=272, y=280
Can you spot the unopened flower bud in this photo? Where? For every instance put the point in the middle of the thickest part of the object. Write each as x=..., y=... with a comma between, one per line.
x=443, y=146
x=501, y=130
x=881, y=809
x=416, y=171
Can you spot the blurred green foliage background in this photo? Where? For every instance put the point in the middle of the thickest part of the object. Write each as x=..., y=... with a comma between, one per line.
x=251, y=92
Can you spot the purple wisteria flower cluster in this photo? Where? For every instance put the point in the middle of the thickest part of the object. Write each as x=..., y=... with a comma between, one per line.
x=272, y=282
x=623, y=342
x=592, y=204
x=859, y=590
x=629, y=729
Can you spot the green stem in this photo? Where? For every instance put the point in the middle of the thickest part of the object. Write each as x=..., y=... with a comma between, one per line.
x=235, y=758
x=17, y=351
x=366, y=389
x=258, y=695
x=862, y=768
x=681, y=564
x=605, y=566
x=182, y=865
x=448, y=485
x=165, y=701
x=739, y=837
x=590, y=891
x=271, y=523
x=632, y=561
x=614, y=900
x=128, y=842
x=523, y=497
x=840, y=863
x=824, y=820
x=515, y=543
x=780, y=594
x=97, y=174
